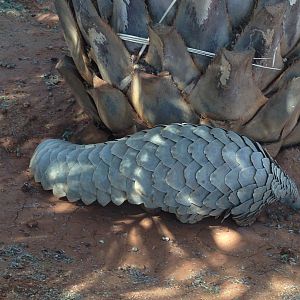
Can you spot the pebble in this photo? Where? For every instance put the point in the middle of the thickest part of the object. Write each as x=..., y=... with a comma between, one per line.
x=7, y=66
x=26, y=104
x=165, y=238
x=32, y=224
x=101, y=241
x=134, y=249
x=10, y=66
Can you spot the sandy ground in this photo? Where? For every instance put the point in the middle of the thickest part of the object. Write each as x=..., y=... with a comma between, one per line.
x=52, y=249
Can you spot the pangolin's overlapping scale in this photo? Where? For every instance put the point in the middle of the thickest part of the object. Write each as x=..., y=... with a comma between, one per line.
x=143, y=181
x=175, y=177
x=229, y=154
x=35, y=164
x=50, y=174
x=261, y=177
x=169, y=199
x=224, y=202
x=116, y=178
x=59, y=187
x=136, y=141
x=42, y=161
x=197, y=196
x=217, y=178
x=221, y=135
x=164, y=153
x=191, y=171
x=103, y=198
x=212, y=198
x=129, y=164
x=73, y=182
x=89, y=191
x=183, y=196
x=203, y=177
x=190, y=175
x=119, y=149
x=133, y=196
x=147, y=158
x=180, y=151
x=231, y=179
x=213, y=152
x=196, y=149
x=100, y=177
x=118, y=197
x=160, y=172
x=246, y=176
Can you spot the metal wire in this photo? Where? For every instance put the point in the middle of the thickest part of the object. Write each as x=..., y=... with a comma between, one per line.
x=145, y=42
x=160, y=21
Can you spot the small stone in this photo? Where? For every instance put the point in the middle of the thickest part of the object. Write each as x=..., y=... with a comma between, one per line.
x=26, y=104
x=165, y=238
x=134, y=249
x=27, y=187
x=101, y=242
x=71, y=100
x=10, y=66
x=32, y=224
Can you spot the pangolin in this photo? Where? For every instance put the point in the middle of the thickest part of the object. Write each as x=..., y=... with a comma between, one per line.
x=193, y=171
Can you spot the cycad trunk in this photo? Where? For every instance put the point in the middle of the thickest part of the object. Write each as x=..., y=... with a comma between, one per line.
x=251, y=85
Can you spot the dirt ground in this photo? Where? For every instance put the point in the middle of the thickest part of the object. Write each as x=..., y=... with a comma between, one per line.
x=52, y=249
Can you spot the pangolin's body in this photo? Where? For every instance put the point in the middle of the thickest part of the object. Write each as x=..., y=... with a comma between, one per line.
x=189, y=170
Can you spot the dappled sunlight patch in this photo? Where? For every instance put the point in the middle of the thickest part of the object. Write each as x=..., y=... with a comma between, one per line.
x=32, y=238
x=184, y=270
x=134, y=237
x=63, y=208
x=113, y=252
x=278, y=284
x=146, y=223
x=227, y=239
x=217, y=259
x=92, y=279
x=47, y=18
x=230, y=290
x=163, y=229
x=154, y=293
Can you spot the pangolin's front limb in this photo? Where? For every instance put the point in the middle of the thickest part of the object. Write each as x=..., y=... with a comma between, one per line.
x=191, y=171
